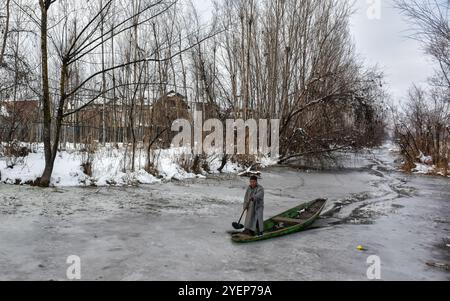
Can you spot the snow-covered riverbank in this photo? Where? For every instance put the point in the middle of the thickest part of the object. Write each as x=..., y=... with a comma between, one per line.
x=109, y=167
x=178, y=230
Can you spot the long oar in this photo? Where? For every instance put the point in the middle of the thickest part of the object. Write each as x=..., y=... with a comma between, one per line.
x=238, y=225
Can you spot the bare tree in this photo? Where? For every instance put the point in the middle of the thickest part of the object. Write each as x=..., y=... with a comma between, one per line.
x=5, y=30
x=81, y=44
x=103, y=63
x=432, y=29
x=422, y=128
x=294, y=60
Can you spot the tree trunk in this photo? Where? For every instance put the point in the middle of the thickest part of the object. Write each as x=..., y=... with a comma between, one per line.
x=44, y=181
x=5, y=34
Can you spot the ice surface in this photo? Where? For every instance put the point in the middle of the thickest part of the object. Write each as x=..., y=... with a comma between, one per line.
x=178, y=230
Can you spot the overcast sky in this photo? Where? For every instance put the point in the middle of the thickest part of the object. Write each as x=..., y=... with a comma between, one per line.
x=384, y=42
x=381, y=38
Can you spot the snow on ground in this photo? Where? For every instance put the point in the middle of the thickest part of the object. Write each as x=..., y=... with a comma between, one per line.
x=110, y=167
x=425, y=159
x=267, y=161
x=391, y=146
x=168, y=164
x=424, y=166
x=67, y=171
x=423, y=169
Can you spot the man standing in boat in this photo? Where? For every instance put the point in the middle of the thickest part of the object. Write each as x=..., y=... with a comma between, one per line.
x=254, y=203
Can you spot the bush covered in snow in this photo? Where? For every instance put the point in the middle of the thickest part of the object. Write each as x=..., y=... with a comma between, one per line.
x=422, y=132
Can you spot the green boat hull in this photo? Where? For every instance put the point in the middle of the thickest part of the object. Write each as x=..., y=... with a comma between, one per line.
x=271, y=229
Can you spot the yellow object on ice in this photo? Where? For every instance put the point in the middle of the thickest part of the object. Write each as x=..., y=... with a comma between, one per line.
x=360, y=248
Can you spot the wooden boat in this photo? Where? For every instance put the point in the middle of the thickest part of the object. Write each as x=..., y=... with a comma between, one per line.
x=294, y=220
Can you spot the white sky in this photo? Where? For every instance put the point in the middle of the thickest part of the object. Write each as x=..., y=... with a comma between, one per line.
x=383, y=42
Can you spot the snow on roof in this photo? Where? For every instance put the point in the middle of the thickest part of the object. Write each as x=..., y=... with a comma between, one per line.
x=173, y=94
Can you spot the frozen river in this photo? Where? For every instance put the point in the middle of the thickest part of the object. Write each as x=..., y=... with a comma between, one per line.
x=178, y=231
